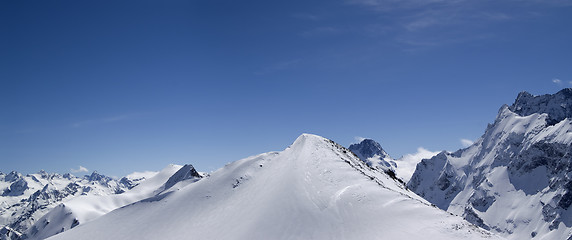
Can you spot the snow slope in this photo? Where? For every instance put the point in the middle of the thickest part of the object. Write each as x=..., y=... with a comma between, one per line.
x=516, y=179
x=315, y=189
x=86, y=208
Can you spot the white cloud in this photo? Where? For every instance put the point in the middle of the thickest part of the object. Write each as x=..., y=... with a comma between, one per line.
x=358, y=139
x=466, y=142
x=406, y=165
x=556, y=80
x=80, y=169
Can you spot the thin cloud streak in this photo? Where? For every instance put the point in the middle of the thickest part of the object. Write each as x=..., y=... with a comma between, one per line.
x=440, y=20
x=101, y=121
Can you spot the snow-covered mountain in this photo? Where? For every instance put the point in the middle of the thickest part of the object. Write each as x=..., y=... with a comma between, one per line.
x=314, y=189
x=26, y=198
x=371, y=152
x=373, y=155
x=516, y=179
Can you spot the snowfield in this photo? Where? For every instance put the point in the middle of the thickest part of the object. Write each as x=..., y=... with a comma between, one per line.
x=314, y=189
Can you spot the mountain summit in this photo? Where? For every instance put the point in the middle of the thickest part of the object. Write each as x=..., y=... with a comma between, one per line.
x=373, y=155
x=515, y=180
x=557, y=106
x=368, y=148
x=314, y=189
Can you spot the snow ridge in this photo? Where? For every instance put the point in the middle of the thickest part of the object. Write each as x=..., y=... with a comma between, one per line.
x=314, y=189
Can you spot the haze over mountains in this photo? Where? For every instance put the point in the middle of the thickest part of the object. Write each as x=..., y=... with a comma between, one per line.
x=513, y=182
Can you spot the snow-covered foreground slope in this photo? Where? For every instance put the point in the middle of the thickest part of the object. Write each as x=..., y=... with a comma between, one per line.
x=86, y=208
x=315, y=189
x=516, y=179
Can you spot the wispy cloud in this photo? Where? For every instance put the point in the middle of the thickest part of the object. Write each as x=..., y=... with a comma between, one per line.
x=358, y=139
x=466, y=142
x=390, y=5
x=406, y=165
x=79, y=170
x=560, y=82
x=447, y=22
x=102, y=120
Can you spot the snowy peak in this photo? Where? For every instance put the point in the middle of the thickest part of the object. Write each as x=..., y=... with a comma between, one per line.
x=373, y=155
x=515, y=179
x=558, y=106
x=305, y=141
x=12, y=176
x=368, y=148
x=185, y=173
x=96, y=177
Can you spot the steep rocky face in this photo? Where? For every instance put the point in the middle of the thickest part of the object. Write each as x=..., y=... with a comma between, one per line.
x=373, y=155
x=558, y=106
x=24, y=199
x=368, y=148
x=516, y=179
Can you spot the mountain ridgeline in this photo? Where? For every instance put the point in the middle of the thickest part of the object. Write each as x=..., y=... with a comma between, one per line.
x=314, y=189
x=513, y=182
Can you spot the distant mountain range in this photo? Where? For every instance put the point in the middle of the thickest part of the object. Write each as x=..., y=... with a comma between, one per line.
x=25, y=198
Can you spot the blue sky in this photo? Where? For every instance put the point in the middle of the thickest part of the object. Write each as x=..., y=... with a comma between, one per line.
x=123, y=86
